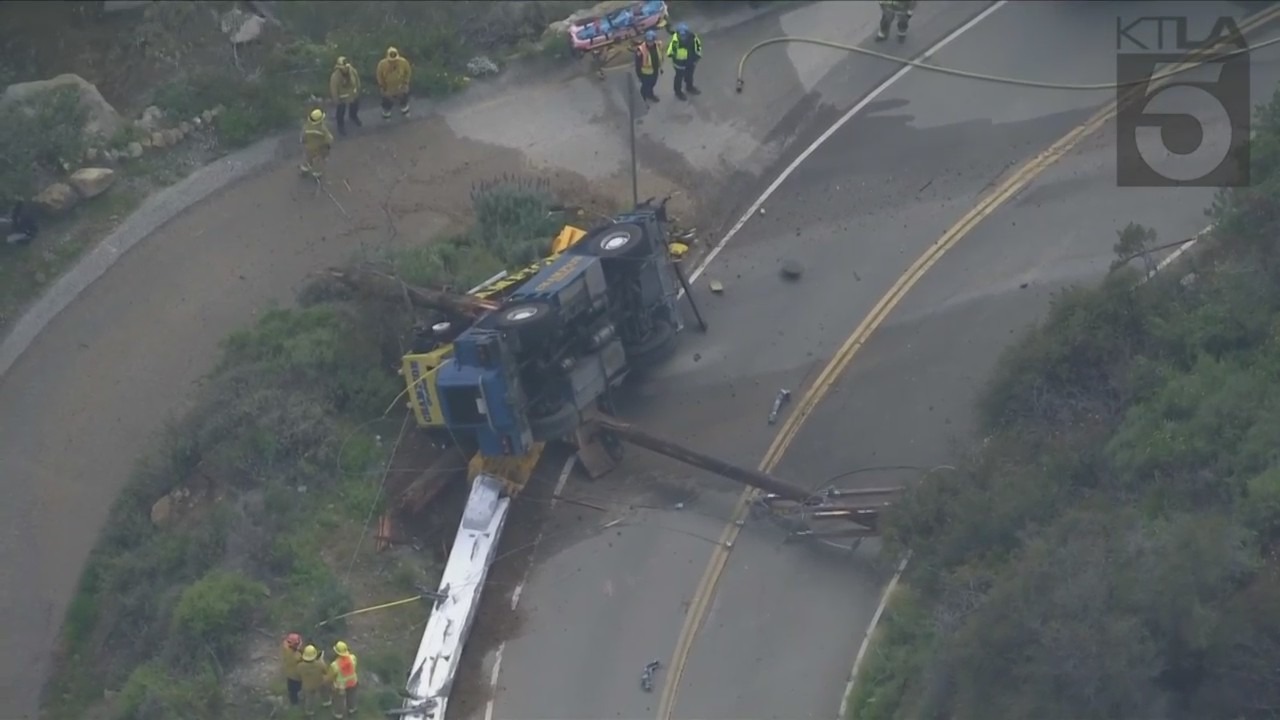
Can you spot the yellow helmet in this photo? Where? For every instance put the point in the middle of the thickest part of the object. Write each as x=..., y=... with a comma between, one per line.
x=340, y=648
x=310, y=653
x=393, y=53
x=316, y=115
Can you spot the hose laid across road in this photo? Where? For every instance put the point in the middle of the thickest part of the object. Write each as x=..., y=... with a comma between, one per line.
x=1192, y=62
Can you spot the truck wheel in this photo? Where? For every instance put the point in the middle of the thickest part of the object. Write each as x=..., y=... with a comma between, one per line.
x=655, y=348
x=615, y=241
x=527, y=317
x=557, y=425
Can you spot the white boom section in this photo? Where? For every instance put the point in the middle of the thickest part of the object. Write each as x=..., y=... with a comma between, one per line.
x=433, y=671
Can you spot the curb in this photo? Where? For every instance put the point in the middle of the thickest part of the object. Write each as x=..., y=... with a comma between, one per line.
x=154, y=212
x=868, y=634
x=170, y=202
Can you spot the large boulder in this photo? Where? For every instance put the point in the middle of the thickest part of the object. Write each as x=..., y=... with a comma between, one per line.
x=56, y=199
x=242, y=27
x=152, y=119
x=103, y=120
x=92, y=181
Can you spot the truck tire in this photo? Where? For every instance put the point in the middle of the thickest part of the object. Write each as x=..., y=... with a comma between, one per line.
x=527, y=318
x=653, y=349
x=557, y=425
x=616, y=241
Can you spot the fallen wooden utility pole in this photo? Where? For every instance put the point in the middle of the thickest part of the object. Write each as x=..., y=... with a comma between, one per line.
x=376, y=282
x=662, y=446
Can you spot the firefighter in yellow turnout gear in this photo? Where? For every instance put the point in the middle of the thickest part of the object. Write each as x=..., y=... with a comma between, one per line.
x=394, y=73
x=344, y=90
x=314, y=679
x=316, y=143
x=890, y=9
x=345, y=682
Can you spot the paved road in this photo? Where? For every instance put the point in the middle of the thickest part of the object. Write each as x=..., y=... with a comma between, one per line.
x=80, y=405
x=781, y=633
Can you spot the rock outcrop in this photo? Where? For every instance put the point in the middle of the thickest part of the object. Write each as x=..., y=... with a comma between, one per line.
x=241, y=26
x=92, y=181
x=103, y=120
x=56, y=199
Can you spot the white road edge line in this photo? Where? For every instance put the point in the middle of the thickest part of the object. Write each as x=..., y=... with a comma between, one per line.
x=863, y=103
x=519, y=589
x=893, y=583
x=866, y=636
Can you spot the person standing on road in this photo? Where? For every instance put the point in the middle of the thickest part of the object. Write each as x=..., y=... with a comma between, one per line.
x=394, y=73
x=890, y=9
x=316, y=143
x=315, y=680
x=345, y=682
x=344, y=89
x=649, y=64
x=685, y=51
x=290, y=657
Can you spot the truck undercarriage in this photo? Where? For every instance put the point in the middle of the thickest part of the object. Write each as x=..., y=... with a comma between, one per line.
x=509, y=370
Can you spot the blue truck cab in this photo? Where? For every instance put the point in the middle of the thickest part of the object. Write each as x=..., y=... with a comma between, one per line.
x=526, y=372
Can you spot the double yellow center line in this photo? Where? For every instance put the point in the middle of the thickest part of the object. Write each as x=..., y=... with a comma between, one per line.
x=1011, y=186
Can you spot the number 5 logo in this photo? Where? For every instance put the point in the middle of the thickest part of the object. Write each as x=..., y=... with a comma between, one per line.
x=1191, y=129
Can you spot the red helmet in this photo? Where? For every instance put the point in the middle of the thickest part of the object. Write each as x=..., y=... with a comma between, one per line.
x=293, y=640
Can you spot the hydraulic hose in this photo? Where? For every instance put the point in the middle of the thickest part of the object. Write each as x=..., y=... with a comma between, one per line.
x=1191, y=62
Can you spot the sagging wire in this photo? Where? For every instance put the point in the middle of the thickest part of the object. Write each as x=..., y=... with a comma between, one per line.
x=1189, y=64
x=617, y=522
x=373, y=507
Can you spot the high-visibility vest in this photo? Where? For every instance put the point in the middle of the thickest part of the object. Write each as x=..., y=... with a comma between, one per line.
x=678, y=50
x=649, y=60
x=344, y=671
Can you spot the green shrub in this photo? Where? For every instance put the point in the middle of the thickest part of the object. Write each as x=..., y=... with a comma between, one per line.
x=154, y=693
x=514, y=227
x=895, y=657
x=1110, y=550
x=324, y=348
x=213, y=612
x=39, y=137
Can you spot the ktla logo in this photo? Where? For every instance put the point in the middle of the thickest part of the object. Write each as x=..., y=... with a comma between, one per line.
x=1183, y=104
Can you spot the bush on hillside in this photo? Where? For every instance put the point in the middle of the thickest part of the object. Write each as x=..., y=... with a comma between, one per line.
x=514, y=226
x=439, y=38
x=38, y=140
x=1110, y=550
x=281, y=449
x=281, y=438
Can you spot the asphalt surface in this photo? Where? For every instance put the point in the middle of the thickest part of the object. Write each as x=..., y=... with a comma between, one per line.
x=783, y=629
x=83, y=401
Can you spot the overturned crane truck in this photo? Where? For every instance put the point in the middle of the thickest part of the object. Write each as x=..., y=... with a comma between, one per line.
x=528, y=372
x=542, y=353
x=564, y=340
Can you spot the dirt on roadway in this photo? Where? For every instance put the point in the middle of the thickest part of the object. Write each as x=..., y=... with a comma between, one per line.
x=84, y=401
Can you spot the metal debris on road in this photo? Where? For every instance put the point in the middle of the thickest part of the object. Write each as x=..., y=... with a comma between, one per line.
x=646, y=678
x=783, y=396
x=716, y=286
